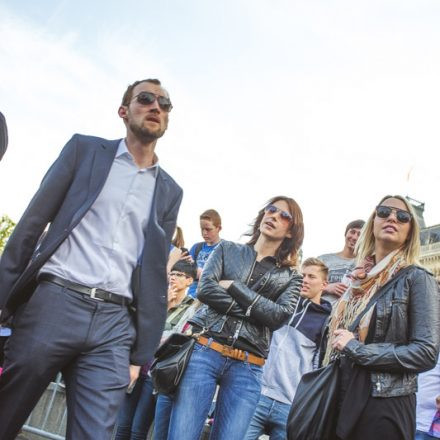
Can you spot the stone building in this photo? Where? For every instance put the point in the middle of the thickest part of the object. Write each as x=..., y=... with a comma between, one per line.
x=430, y=241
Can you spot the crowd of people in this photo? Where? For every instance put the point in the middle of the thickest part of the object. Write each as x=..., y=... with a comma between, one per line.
x=95, y=293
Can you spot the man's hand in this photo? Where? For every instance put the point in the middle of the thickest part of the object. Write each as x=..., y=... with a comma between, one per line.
x=134, y=374
x=341, y=337
x=337, y=289
x=225, y=283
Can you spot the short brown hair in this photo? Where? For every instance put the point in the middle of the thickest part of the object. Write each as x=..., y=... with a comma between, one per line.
x=128, y=95
x=213, y=216
x=288, y=252
x=316, y=262
x=355, y=224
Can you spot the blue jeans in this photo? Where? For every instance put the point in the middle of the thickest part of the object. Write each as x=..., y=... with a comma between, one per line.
x=137, y=411
x=423, y=436
x=164, y=405
x=270, y=418
x=240, y=385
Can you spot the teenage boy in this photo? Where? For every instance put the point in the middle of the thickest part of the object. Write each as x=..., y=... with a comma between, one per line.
x=210, y=227
x=341, y=263
x=293, y=352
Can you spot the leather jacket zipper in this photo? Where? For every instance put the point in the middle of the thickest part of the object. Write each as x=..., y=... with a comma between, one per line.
x=248, y=310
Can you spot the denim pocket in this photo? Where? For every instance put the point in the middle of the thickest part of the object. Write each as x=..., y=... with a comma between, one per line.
x=255, y=370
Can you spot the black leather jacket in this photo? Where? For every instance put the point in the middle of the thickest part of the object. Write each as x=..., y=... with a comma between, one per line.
x=406, y=335
x=252, y=314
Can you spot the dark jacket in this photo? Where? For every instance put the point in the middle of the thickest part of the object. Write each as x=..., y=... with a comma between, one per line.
x=406, y=335
x=252, y=314
x=66, y=193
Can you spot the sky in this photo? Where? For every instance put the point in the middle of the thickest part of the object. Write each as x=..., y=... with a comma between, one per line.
x=333, y=103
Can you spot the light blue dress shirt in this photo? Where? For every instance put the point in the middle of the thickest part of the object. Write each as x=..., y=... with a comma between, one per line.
x=103, y=249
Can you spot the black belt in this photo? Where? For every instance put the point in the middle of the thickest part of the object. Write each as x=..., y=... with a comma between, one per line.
x=92, y=292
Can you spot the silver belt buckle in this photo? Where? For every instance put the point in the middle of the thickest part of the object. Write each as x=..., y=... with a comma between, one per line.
x=93, y=293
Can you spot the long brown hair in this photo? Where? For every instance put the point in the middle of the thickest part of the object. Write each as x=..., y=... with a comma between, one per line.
x=178, y=240
x=287, y=252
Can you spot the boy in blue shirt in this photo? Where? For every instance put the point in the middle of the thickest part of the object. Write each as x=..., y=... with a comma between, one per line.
x=210, y=227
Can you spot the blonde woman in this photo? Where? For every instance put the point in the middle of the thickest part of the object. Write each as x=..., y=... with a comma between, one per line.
x=398, y=336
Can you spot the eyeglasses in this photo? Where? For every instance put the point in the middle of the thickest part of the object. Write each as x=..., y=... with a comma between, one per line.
x=178, y=275
x=272, y=209
x=147, y=98
x=401, y=215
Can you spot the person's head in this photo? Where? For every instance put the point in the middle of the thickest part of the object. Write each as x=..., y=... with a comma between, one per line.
x=178, y=240
x=182, y=274
x=352, y=232
x=392, y=225
x=210, y=226
x=281, y=220
x=315, y=274
x=144, y=110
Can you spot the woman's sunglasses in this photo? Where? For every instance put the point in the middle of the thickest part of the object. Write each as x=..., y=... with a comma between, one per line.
x=272, y=209
x=147, y=98
x=401, y=215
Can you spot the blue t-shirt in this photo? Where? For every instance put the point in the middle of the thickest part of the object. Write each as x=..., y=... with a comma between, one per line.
x=202, y=258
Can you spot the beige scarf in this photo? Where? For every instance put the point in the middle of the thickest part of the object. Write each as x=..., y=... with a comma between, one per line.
x=367, y=279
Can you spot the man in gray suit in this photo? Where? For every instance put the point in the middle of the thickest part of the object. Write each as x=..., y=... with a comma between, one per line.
x=97, y=278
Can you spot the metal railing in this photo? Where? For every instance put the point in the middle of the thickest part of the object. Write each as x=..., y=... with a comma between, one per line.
x=48, y=419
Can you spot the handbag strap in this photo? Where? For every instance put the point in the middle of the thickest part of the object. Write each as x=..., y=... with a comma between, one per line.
x=377, y=296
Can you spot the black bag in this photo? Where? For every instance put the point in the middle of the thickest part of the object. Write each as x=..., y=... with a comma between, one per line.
x=170, y=362
x=313, y=414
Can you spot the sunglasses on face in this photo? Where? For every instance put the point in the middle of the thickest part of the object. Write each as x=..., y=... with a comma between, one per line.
x=272, y=209
x=178, y=274
x=147, y=98
x=401, y=215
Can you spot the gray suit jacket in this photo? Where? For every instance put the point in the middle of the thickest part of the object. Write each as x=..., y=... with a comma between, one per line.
x=66, y=193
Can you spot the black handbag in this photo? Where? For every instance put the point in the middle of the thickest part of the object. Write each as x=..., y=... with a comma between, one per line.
x=313, y=413
x=170, y=362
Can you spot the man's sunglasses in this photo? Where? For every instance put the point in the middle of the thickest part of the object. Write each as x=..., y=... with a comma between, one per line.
x=272, y=209
x=401, y=215
x=147, y=98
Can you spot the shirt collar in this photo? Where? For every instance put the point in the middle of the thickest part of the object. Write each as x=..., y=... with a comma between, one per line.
x=122, y=149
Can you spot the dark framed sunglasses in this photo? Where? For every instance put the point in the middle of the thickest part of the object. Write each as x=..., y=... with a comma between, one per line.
x=272, y=209
x=401, y=215
x=147, y=98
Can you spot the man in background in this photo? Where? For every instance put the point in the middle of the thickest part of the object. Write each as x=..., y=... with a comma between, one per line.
x=341, y=263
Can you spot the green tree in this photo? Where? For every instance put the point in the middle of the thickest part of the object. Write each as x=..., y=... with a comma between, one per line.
x=6, y=227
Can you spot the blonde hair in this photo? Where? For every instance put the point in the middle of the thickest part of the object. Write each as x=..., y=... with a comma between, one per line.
x=411, y=248
x=318, y=263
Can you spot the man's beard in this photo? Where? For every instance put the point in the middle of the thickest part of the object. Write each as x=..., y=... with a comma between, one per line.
x=144, y=135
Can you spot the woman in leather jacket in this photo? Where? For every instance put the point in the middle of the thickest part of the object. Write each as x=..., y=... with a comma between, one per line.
x=247, y=291
x=398, y=336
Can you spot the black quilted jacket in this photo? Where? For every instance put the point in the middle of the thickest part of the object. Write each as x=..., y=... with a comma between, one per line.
x=253, y=314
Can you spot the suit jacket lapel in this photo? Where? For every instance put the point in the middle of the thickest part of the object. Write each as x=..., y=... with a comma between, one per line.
x=160, y=195
x=100, y=167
